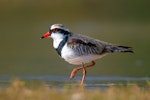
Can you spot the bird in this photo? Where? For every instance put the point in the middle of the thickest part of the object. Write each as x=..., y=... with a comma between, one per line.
x=79, y=49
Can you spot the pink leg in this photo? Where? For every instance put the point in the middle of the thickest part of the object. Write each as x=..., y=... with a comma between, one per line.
x=84, y=75
x=75, y=70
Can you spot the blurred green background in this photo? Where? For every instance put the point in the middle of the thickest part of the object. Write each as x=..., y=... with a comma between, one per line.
x=23, y=22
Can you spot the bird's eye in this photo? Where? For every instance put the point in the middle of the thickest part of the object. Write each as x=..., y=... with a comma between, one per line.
x=55, y=30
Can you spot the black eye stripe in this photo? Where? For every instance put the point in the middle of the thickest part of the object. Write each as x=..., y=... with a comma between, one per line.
x=57, y=30
x=54, y=30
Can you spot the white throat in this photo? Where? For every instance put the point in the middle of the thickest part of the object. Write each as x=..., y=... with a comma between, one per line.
x=57, y=38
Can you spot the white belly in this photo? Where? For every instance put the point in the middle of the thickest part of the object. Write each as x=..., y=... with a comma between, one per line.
x=71, y=57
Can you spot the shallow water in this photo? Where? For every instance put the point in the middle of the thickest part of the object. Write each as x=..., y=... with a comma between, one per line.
x=92, y=82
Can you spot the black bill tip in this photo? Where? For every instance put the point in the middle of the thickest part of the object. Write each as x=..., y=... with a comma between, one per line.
x=42, y=37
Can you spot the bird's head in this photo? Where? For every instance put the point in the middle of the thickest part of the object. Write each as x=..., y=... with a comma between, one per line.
x=56, y=31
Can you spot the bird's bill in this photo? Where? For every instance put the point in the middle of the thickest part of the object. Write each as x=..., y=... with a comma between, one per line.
x=47, y=34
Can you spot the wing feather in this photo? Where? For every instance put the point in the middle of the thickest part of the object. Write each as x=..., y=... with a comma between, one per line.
x=85, y=45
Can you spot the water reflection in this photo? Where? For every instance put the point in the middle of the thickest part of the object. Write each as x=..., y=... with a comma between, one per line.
x=91, y=81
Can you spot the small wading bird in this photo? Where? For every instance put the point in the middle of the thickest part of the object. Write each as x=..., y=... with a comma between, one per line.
x=78, y=49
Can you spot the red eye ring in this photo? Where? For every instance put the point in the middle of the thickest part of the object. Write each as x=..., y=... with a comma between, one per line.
x=55, y=30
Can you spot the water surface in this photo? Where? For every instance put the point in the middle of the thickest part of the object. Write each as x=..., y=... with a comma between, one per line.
x=92, y=82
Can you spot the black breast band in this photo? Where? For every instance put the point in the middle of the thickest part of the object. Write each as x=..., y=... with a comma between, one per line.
x=61, y=45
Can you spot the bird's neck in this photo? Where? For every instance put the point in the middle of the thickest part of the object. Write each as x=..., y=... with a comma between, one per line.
x=56, y=43
x=61, y=44
x=57, y=38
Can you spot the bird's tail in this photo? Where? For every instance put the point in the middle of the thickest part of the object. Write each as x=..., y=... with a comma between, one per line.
x=112, y=48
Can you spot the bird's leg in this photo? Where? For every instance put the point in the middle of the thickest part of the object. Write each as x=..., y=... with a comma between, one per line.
x=84, y=74
x=75, y=70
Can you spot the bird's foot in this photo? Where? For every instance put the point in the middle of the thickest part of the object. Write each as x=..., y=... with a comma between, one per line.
x=73, y=73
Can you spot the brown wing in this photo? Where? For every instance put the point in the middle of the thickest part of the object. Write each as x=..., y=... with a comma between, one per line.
x=83, y=45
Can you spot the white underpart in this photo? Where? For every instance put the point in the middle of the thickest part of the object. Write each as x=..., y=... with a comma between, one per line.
x=57, y=38
x=70, y=56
